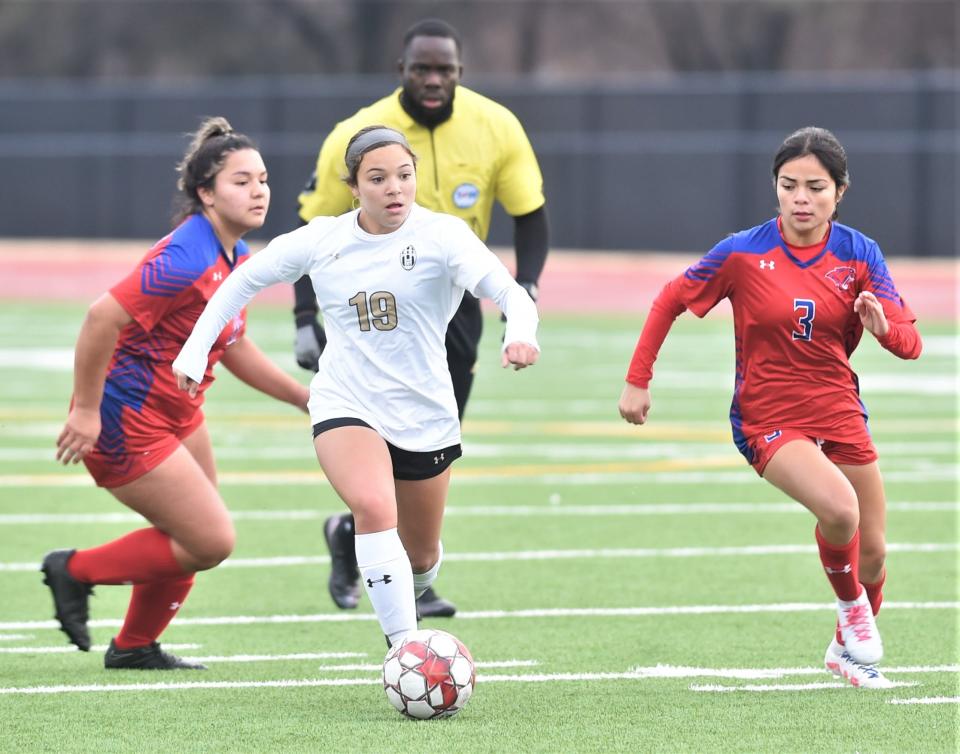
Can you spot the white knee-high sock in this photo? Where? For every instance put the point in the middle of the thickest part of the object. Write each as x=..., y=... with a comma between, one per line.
x=423, y=581
x=388, y=579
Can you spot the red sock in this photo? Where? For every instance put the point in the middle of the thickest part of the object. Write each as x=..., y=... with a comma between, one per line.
x=841, y=563
x=875, y=592
x=152, y=607
x=140, y=557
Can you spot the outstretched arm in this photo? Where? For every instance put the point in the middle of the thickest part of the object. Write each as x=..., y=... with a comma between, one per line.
x=635, y=399
x=284, y=259
x=520, y=348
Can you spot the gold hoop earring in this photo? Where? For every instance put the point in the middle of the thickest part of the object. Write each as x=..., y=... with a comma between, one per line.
x=355, y=203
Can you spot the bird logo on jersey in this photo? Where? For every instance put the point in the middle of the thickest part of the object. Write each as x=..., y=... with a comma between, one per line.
x=842, y=277
x=408, y=257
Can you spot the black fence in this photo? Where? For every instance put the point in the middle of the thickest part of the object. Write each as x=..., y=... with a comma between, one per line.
x=671, y=162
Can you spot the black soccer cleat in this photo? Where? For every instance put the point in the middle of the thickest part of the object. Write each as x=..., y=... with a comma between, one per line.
x=150, y=657
x=70, y=597
x=432, y=605
x=344, y=582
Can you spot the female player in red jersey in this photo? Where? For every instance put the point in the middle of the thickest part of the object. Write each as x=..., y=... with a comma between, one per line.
x=132, y=427
x=803, y=287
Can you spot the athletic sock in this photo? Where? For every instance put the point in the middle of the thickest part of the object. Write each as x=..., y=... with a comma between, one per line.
x=388, y=579
x=841, y=564
x=423, y=581
x=152, y=607
x=140, y=557
x=875, y=592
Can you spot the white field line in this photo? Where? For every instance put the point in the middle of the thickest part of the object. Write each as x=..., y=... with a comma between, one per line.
x=70, y=649
x=16, y=637
x=492, y=511
x=192, y=685
x=930, y=473
x=756, y=674
x=787, y=686
x=352, y=667
x=560, y=612
x=525, y=678
x=539, y=555
x=927, y=700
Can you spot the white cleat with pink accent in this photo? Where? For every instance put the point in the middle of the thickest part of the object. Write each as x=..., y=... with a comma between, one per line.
x=839, y=662
x=858, y=628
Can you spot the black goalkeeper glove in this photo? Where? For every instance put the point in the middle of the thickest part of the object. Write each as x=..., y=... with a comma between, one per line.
x=309, y=342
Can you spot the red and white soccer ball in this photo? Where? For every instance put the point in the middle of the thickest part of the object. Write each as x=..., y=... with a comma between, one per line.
x=429, y=674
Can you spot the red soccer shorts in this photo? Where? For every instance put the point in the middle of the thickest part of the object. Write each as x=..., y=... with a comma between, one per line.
x=142, y=449
x=765, y=446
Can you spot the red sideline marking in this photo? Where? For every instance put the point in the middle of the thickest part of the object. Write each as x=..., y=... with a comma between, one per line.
x=573, y=281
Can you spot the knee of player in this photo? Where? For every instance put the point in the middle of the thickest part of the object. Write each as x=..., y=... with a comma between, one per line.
x=373, y=510
x=840, y=513
x=423, y=559
x=215, y=548
x=873, y=554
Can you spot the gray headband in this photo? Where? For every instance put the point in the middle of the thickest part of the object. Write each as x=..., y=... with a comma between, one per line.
x=377, y=136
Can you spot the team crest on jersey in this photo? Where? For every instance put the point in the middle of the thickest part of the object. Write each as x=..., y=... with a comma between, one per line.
x=842, y=277
x=408, y=257
x=465, y=195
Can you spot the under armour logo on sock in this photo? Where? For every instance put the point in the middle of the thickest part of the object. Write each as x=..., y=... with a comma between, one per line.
x=846, y=569
x=385, y=580
x=175, y=605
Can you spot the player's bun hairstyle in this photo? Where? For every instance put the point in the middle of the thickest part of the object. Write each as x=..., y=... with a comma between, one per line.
x=431, y=27
x=366, y=140
x=823, y=145
x=204, y=158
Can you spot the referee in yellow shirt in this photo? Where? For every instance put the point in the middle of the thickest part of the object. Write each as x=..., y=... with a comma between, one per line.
x=471, y=151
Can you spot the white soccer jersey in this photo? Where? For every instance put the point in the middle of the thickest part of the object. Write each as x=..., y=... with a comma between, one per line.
x=386, y=301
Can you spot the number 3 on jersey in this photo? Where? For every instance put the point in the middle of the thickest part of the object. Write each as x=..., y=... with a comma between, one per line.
x=382, y=310
x=806, y=310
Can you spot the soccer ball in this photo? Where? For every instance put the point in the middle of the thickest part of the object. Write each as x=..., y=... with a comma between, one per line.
x=429, y=674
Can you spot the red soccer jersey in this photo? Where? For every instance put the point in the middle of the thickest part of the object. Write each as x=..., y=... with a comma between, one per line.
x=165, y=294
x=794, y=328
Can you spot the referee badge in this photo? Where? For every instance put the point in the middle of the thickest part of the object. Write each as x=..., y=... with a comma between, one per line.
x=408, y=257
x=465, y=195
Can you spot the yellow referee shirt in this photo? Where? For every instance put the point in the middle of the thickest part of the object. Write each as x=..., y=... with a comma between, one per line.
x=478, y=155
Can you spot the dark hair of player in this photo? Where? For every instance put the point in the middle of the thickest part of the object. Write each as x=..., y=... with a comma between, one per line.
x=354, y=155
x=431, y=27
x=204, y=158
x=820, y=143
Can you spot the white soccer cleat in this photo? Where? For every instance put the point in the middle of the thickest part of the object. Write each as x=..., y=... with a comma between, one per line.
x=839, y=662
x=858, y=628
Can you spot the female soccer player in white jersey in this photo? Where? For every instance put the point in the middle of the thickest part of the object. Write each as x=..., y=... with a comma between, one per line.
x=388, y=276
